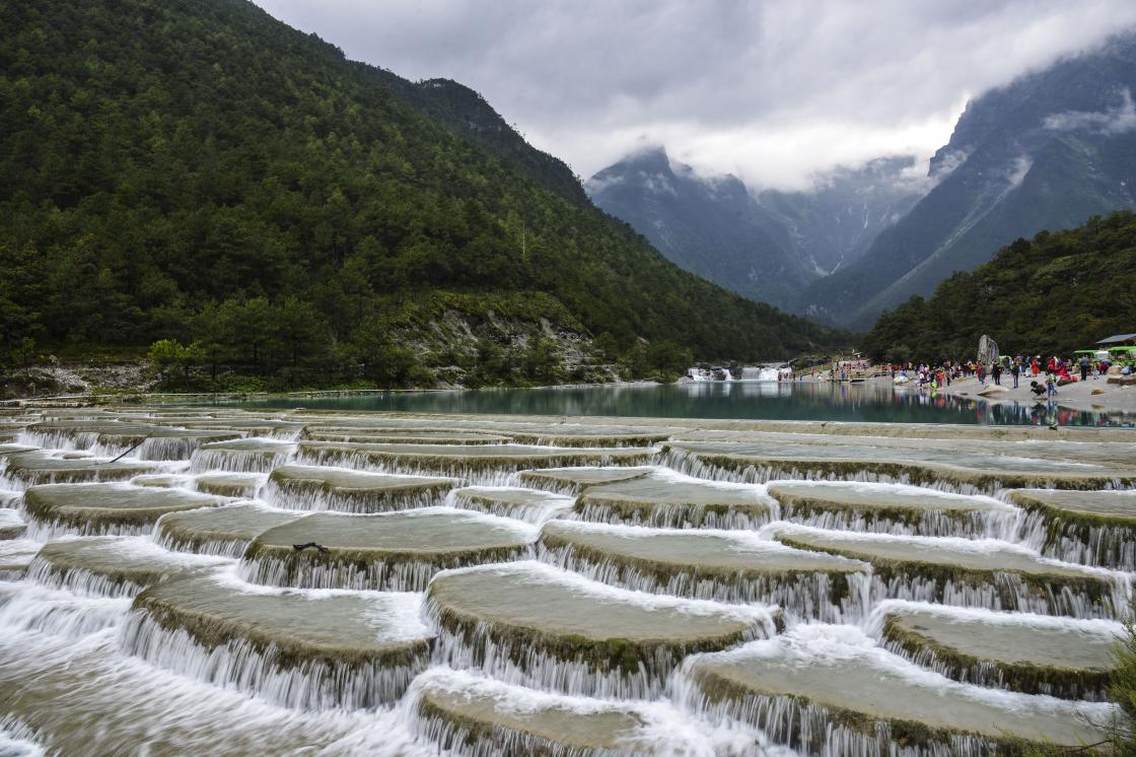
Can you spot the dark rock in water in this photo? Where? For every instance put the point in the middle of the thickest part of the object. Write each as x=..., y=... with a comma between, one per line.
x=302, y=547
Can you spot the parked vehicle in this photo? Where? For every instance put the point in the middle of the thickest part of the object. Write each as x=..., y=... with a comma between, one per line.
x=1123, y=355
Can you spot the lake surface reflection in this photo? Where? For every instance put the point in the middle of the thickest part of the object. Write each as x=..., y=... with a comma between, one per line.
x=740, y=399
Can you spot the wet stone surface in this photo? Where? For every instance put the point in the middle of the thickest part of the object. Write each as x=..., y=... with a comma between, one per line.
x=399, y=550
x=1017, y=651
x=574, y=480
x=91, y=508
x=313, y=487
x=961, y=466
x=362, y=648
x=825, y=673
x=254, y=581
x=984, y=573
x=663, y=499
x=110, y=565
x=712, y=553
x=537, y=625
x=36, y=467
x=515, y=719
x=731, y=566
x=471, y=461
x=530, y=505
x=229, y=484
x=1116, y=507
x=224, y=531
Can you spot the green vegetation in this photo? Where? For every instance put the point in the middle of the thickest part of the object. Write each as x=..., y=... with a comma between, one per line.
x=1122, y=690
x=198, y=172
x=1060, y=292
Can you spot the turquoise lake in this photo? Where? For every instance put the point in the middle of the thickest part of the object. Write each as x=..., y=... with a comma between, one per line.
x=743, y=400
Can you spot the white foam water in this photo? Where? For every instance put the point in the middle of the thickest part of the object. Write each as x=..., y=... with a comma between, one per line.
x=86, y=697
x=25, y=607
x=237, y=664
x=237, y=461
x=1103, y=545
x=536, y=506
x=17, y=740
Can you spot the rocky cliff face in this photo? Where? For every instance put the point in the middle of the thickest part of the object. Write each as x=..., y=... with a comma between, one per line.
x=834, y=223
x=768, y=245
x=1046, y=152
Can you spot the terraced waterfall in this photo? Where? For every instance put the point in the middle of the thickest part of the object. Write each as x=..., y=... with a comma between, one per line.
x=333, y=583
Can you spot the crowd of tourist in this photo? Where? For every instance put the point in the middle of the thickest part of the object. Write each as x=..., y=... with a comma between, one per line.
x=1044, y=375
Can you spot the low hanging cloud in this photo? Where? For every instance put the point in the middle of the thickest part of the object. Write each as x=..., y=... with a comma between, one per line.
x=1116, y=120
x=774, y=91
x=1018, y=170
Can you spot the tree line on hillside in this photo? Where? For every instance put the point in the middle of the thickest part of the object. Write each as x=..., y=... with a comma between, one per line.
x=1059, y=292
x=260, y=345
x=174, y=167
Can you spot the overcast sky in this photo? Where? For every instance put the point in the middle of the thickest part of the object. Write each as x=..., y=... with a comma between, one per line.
x=772, y=90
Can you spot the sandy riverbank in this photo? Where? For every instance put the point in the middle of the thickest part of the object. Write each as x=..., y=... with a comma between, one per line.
x=1094, y=394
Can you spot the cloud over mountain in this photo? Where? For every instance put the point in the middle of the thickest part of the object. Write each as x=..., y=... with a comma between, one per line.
x=772, y=91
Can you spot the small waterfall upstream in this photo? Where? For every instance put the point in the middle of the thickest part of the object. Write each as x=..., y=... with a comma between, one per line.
x=675, y=597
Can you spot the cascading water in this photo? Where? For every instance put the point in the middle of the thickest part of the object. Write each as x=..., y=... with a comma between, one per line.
x=764, y=374
x=671, y=599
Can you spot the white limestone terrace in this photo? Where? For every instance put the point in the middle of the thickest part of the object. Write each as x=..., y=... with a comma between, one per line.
x=663, y=497
x=971, y=572
x=726, y=565
x=830, y=689
x=627, y=586
x=1037, y=654
x=893, y=508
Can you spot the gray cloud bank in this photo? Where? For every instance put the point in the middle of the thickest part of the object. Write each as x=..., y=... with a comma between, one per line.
x=774, y=91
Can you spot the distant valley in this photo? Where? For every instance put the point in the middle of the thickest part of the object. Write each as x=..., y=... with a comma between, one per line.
x=767, y=246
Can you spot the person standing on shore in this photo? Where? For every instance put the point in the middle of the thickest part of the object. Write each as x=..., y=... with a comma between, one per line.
x=1050, y=386
x=1034, y=365
x=1084, y=365
x=996, y=373
x=1015, y=370
x=980, y=372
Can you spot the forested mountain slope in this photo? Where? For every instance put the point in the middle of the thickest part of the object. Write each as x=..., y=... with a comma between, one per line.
x=198, y=170
x=467, y=113
x=1062, y=291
